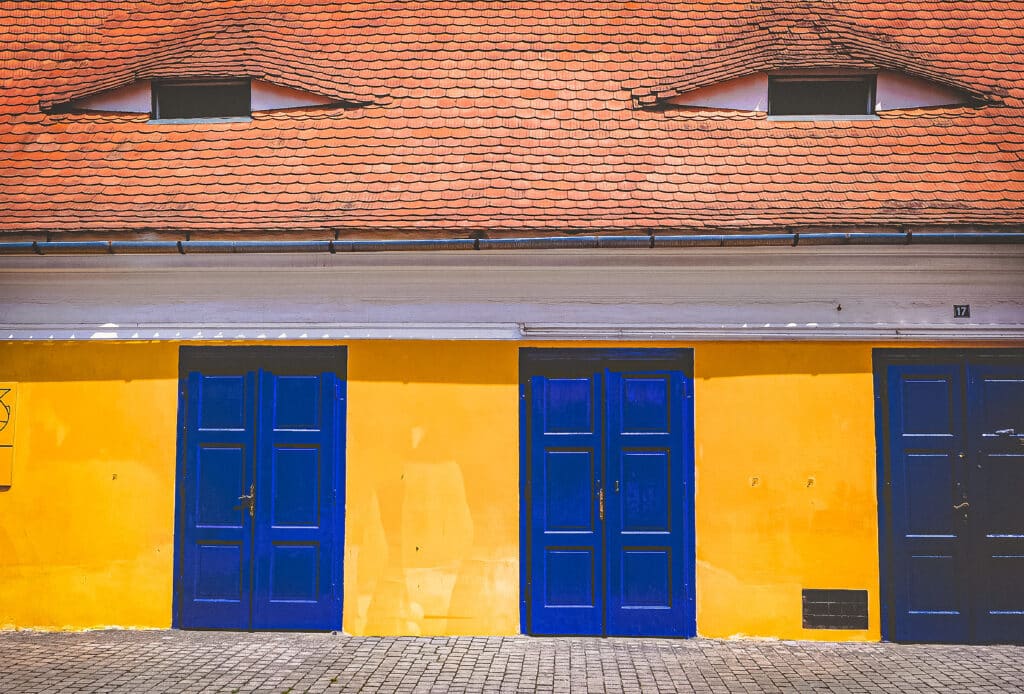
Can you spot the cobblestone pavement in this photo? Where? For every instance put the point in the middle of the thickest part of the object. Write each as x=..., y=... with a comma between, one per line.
x=180, y=661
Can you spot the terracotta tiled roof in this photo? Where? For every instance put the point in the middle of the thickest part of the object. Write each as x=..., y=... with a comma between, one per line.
x=505, y=117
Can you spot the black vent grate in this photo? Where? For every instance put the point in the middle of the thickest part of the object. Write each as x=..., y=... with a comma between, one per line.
x=835, y=609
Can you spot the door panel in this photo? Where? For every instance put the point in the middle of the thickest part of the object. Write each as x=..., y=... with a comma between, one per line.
x=568, y=489
x=996, y=479
x=644, y=502
x=220, y=572
x=266, y=422
x=608, y=496
x=570, y=582
x=222, y=403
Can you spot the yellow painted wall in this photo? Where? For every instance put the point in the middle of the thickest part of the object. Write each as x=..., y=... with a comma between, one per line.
x=432, y=536
x=86, y=527
x=785, y=493
x=786, y=498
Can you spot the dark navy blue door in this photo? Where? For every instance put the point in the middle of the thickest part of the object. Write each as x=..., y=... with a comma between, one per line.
x=955, y=479
x=995, y=491
x=260, y=489
x=608, y=492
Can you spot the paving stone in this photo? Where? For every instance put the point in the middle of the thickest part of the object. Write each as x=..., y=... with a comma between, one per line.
x=182, y=661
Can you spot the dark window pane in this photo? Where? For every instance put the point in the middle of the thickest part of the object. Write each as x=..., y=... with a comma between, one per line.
x=791, y=97
x=207, y=100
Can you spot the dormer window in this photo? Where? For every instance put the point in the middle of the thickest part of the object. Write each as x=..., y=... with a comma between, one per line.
x=821, y=95
x=202, y=99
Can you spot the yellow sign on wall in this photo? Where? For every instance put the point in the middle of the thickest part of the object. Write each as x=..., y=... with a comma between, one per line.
x=8, y=409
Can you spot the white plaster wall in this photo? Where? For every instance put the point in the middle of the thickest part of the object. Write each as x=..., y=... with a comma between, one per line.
x=894, y=90
x=744, y=94
x=267, y=97
x=135, y=98
x=806, y=292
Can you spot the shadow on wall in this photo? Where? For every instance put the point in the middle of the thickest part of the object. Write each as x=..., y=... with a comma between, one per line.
x=427, y=362
x=41, y=362
x=739, y=359
x=128, y=361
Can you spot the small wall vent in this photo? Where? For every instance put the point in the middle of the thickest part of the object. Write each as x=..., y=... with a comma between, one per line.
x=835, y=609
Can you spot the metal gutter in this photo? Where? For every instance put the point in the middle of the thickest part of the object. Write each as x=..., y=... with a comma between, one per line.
x=526, y=243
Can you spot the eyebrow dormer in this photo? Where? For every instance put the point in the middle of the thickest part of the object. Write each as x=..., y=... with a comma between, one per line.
x=197, y=75
x=817, y=66
x=196, y=99
x=822, y=93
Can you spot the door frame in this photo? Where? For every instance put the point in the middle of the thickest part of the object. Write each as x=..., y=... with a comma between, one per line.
x=881, y=359
x=188, y=356
x=600, y=355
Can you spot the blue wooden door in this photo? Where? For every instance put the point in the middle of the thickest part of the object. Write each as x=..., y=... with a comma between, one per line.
x=608, y=492
x=956, y=479
x=261, y=489
x=567, y=531
x=930, y=560
x=650, y=501
x=995, y=491
x=214, y=581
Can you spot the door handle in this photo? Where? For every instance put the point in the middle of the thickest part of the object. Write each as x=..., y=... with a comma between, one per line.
x=600, y=503
x=248, y=501
x=1010, y=434
x=963, y=505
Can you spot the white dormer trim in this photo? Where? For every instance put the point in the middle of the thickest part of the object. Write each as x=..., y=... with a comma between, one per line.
x=895, y=91
x=135, y=98
x=272, y=97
